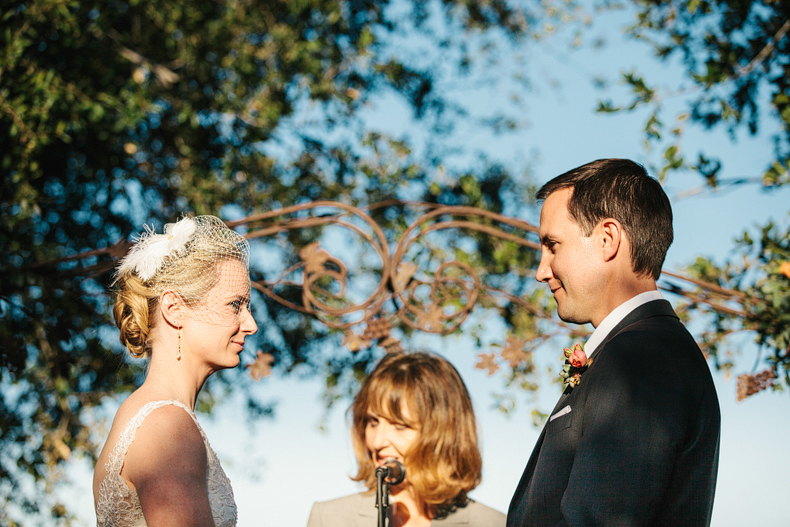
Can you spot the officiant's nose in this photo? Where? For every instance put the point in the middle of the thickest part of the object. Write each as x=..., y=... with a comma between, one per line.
x=378, y=438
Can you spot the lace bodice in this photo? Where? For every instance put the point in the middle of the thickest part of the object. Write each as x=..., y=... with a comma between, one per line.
x=119, y=506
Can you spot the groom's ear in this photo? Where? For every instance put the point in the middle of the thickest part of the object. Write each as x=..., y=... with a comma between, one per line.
x=612, y=238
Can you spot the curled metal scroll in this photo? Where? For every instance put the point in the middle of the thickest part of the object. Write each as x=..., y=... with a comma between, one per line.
x=431, y=317
x=437, y=304
x=403, y=295
x=317, y=264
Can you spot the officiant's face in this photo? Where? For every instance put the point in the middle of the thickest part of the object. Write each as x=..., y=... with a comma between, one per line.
x=570, y=263
x=388, y=437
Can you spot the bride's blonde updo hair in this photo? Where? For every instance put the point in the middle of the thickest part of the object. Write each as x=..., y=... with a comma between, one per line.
x=186, y=259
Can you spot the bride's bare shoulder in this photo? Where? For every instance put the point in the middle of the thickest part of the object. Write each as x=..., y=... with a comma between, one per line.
x=168, y=447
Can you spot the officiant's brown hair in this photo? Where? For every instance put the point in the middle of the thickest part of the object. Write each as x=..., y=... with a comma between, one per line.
x=444, y=462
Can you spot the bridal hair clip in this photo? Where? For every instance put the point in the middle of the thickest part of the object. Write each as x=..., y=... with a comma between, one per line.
x=151, y=249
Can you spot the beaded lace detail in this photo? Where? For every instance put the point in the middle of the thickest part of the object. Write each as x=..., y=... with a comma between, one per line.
x=119, y=506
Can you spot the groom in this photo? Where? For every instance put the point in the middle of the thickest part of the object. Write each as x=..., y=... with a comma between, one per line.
x=636, y=440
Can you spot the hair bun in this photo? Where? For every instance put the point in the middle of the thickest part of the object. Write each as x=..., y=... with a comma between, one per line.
x=131, y=313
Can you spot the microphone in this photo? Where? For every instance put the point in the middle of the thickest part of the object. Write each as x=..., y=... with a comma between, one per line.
x=393, y=471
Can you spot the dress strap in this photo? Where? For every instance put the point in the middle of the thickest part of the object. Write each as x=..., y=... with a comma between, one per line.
x=115, y=461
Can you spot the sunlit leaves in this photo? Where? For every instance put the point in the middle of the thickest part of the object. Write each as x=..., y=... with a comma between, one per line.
x=117, y=113
x=756, y=301
x=732, y=52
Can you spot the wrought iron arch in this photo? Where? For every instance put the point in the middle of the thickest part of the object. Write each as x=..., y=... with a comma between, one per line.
x=395, y=300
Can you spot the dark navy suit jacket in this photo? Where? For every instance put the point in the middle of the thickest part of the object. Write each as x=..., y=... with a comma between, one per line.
x=639, y=444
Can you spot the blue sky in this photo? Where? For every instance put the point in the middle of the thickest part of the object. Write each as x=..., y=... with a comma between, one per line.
x=282, y=466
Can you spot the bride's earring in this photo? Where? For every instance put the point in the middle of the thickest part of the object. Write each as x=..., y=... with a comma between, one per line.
x=178, y=353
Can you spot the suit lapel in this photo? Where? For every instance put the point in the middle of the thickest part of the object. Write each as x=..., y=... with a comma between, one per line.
x=518, y=497
x=517, y=506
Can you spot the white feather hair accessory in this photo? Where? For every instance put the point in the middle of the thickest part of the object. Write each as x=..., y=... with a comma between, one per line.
x=151, y=249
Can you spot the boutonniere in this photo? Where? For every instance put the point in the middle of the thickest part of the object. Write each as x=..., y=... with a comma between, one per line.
x=576, y=363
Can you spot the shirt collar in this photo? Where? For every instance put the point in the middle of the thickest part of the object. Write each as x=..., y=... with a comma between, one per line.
x=612, y=319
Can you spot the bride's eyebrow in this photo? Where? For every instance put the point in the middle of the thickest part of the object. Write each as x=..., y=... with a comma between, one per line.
x=239, y=297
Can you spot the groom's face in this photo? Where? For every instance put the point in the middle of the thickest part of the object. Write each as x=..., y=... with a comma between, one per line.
x=570, y=263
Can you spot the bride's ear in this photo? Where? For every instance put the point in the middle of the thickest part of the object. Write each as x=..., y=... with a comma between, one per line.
x=172, y=307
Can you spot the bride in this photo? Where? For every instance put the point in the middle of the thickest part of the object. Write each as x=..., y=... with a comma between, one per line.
x=183, y=302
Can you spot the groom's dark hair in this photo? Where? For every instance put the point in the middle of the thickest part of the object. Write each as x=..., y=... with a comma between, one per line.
x=620, y=189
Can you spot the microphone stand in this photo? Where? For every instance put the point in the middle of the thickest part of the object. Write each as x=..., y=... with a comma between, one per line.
x=382, y=495
x=391, y=473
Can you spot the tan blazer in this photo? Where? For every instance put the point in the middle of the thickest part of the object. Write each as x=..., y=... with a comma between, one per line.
x=359, y=510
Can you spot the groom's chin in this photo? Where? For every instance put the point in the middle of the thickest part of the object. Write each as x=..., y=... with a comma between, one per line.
x=571, y=317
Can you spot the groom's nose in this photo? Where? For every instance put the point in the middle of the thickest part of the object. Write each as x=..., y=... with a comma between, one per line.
x=544, y=273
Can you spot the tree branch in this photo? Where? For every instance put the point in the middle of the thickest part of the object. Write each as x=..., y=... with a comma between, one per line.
x=766, y=50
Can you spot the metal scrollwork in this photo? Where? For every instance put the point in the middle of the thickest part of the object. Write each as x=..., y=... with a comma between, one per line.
x=318, y=266
x=436, y=296
x=434, y=302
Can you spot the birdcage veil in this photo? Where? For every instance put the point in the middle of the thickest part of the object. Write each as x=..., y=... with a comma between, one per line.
x=199, y=258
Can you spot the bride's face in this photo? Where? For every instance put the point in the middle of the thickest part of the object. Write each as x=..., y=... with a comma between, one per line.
x=386, y=437
x=218, y=325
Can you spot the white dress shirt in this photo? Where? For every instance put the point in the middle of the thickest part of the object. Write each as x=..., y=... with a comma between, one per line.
x=615, y=317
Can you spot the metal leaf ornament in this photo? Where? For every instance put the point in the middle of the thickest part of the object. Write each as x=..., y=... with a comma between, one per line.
x=406, y=271
x=514, y=352
x=354, y=342
x=262, y=366
x=487, y=362
x=431, y=320
x=314, y=257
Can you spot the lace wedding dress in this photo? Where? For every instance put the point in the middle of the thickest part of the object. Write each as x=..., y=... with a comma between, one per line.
x=119, y=506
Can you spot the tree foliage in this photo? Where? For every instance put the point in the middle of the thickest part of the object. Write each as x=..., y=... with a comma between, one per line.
x=124, y=112
x=736, y=57
x=736, y=62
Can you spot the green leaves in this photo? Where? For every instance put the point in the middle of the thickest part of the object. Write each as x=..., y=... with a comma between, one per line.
x=731, y=53
x=749, y=293
x=122, y=112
